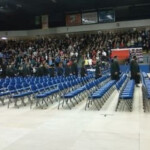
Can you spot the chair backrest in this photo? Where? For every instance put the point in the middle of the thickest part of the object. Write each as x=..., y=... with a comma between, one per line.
x=33, y=88
x=11, y=88
x=18, y=86
x=61, y=87
x=39, y=85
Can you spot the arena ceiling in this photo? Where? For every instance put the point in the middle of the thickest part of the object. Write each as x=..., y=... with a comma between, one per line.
x=38, y=7
x=20, y=12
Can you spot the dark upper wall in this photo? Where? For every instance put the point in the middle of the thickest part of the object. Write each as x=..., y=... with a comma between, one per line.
x=24, y=18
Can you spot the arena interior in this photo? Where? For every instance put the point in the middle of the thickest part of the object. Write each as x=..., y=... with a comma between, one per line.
x=74, y=75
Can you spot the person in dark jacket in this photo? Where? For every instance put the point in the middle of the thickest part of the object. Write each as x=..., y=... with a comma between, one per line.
x=45, y=69
x=10, y=71
x=115, y=69
x=39, y=72
x=52, y=71
x=97, y=71
x=135, y=71
x=20, y=71
x=4, y=67
x=83, y=70
x=60, y=70
x=74, y=68
x=67, y=70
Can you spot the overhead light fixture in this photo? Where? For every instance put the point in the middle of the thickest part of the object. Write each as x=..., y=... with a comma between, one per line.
x=4, y=38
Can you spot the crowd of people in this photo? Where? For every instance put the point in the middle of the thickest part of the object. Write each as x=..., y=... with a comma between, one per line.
x=66, y=54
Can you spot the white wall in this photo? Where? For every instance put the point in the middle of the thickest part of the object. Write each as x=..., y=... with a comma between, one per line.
x=13, y=33
x=82, y=28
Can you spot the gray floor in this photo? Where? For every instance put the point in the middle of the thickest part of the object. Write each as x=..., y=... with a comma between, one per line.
x=76, y=129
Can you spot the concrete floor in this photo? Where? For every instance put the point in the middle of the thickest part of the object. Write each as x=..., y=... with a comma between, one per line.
x=76, y=129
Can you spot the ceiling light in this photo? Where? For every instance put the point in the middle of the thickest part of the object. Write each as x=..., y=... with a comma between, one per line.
x=4, y=38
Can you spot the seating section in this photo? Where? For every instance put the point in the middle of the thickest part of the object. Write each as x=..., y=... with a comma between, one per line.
x=63, y=88
x=80, y=93
x=69, y=91
x=101, y=95
x=146, y=91
x=126, y=96
x=144, y=74
x=37, y=88
x=147, y=83
x=42, y=90
x=121, y=81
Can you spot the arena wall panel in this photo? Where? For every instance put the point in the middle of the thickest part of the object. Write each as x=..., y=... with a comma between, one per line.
x=81, y=28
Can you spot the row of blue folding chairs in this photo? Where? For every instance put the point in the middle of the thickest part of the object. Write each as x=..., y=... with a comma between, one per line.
x=144, y=74
x=106, y=71
x=40, y=92
x=7, y=83
x=34, y=79
x=126, y=96
x=100, y=96
x=121, y=81
x=60, y=90
x=147, y=83
x=77, y=95
x=27, y=79
x=146, y=93
x=24, y=89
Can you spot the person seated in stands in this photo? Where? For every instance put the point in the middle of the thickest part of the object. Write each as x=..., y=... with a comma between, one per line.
x=83, y=70
x=52, y=70
x=135, y=71
x=86, y=61
x=60, y=70
x=29, y=70
x=33, y=70
x=20, y=71
x=45, y=69
x=39, y=72
x=10, y=72
x=97, y=70
x=115, y=69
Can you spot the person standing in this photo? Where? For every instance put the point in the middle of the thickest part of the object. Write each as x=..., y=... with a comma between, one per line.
x=97, y=71
x=83, y=70
x=115, y=69
x=135, y=71
x=52, y=70
x=60, y=70
x=74, y=68
x=67, y=70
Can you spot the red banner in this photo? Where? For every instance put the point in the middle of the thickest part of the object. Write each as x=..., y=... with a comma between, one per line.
x=122, y=54
x=73, y=20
